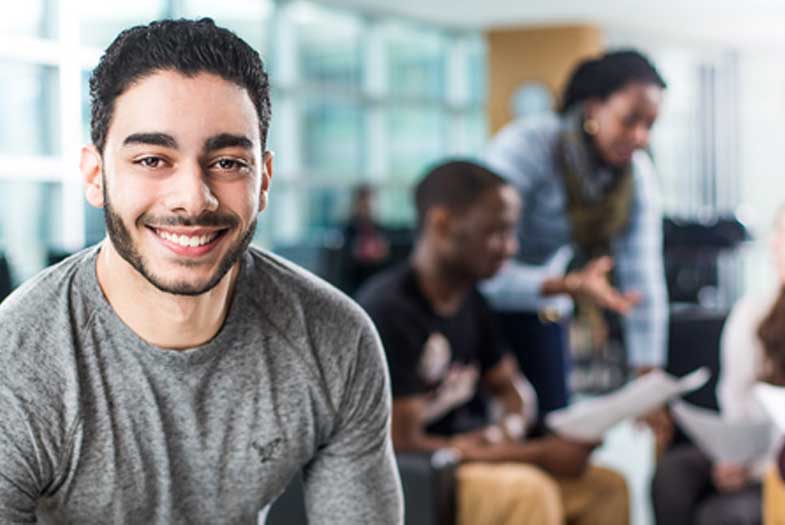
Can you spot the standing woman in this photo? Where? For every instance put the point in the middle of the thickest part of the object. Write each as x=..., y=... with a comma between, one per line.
x=589, y=194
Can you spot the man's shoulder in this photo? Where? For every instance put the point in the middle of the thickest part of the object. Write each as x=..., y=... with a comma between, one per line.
x=39, y=322
x=310, y=322
x=290, y=295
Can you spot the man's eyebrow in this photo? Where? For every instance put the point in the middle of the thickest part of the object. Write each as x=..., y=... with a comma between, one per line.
x=151, y=139
x=227, y=140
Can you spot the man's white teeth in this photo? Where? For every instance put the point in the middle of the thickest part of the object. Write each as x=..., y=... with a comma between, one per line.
x=184, y=240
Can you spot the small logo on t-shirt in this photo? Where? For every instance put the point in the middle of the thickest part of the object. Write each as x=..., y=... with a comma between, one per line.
x=435, y=360
x=269, y=450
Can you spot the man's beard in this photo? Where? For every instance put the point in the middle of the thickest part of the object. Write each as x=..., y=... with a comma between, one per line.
x=124, y=245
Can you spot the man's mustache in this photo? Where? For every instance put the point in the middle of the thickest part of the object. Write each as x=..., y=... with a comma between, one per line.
x=211, y=219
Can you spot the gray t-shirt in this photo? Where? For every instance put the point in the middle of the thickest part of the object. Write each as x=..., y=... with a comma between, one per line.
x=98, y=426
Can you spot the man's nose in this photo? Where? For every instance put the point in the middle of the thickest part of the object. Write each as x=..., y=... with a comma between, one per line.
x=190, y=192
x=512, y=245
x=641, y=136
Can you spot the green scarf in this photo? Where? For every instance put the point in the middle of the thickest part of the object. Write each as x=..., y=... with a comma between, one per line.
x=598, y=198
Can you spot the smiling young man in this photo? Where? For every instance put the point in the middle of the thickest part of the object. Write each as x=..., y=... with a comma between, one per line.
x=173, y=374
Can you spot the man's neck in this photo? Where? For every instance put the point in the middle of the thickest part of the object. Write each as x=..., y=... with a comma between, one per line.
x=443, y=290
x=165, y=320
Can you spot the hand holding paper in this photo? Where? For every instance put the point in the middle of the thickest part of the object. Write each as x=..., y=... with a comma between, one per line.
x=589, y=420
x=738, y=442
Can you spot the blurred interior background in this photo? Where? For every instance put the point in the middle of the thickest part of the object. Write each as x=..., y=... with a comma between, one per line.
x=366, y=91
x=371, y=92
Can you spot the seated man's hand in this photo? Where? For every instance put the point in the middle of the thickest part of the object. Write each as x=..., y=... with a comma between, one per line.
x=591, y=282
x=472, y=446
x=564, y=457
x=729, y=477
x=468, y=441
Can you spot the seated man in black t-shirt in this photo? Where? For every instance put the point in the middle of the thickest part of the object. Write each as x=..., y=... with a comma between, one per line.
x=446, y=361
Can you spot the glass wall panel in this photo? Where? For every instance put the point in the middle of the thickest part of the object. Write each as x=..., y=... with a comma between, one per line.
x=676, y=141
x=34, y=18
x=417, y=138
x=417, y=61
x=476, y=132
x=250, y=19
x=329, y=46
x=478, y=71
x=395, y=206
x=93, y=224
x=30, y=110
x=30, y=225
x=101, y=21
x=282, y=223
x=85, y=92
x=332, y=146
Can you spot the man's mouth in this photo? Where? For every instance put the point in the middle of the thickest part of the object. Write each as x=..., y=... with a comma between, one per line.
x=194, y=238
x=187, y=240
x=626, y=153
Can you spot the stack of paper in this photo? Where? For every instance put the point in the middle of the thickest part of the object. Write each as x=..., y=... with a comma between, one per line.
x=740, y=442
x=589, y=420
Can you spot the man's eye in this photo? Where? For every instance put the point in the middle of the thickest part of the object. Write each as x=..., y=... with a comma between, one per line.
x=150, y=162
x=230, y=164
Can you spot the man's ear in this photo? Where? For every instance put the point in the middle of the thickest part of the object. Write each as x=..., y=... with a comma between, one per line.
x=267, y=174
x=90, y=166
x=439, y=221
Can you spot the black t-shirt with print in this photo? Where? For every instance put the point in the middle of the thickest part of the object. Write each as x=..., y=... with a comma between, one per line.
x=407, y=323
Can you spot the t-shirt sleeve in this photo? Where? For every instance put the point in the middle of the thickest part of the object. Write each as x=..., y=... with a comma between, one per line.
x=402, y=346
x=354, y=479
x=36, y=433
x=28, y=458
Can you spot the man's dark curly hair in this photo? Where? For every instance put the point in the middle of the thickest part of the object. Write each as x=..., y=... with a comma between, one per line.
x=454, y=184
x=188, y=47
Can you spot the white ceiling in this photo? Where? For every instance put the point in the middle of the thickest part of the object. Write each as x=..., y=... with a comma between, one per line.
x=742, y=22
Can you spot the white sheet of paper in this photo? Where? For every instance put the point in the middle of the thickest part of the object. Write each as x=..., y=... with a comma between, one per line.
x=589, y=420
x=740, y=442
x=773, y=400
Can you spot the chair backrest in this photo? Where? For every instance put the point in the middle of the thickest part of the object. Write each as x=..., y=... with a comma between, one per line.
x=5, y=277
x=289, y=508
x=694, y=341
x=429, y=488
